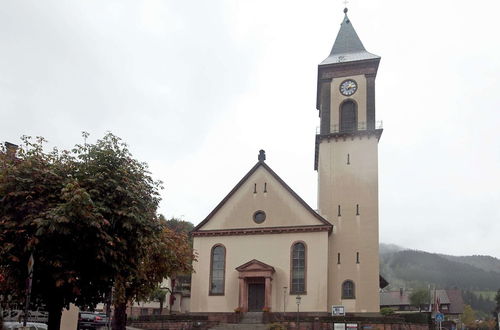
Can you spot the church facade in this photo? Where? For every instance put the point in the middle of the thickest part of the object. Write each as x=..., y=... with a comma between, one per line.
x=263, y=246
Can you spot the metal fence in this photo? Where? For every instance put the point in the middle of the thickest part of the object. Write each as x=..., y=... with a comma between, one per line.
x=350, y=127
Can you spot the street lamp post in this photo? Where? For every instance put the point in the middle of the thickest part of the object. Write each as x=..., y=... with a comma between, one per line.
x=297, y=300
x=284, y=300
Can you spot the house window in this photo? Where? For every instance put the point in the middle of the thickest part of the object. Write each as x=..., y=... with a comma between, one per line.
x=348, y=117
x=298, y=276
x=217, y=270
x=348, y=290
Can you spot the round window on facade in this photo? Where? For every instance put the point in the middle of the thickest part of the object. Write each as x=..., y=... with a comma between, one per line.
x=259, y=216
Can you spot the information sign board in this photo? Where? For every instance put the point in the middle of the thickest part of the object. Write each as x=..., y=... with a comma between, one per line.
x=338, y=310
x=339, y=326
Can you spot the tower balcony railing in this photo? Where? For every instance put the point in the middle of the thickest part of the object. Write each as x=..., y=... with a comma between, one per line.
x=351, y=127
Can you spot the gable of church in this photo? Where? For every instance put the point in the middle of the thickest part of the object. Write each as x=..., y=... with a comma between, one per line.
x=261, y=200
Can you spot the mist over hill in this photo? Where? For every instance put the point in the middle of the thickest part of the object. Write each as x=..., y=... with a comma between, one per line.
x=487, y=263
x=477, y=276
x=415, y=269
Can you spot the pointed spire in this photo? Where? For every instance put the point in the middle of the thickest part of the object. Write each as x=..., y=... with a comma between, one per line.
x=347, y=39
x=347, y=47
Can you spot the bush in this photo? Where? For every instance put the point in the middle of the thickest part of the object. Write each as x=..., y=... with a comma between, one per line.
x=386, y=311
x=421, y=318
x=276, y=326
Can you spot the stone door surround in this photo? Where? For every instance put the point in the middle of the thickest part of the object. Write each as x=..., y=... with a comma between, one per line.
x=252, y=272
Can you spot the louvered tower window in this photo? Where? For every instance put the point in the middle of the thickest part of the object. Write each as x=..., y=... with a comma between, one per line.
x=348, y=117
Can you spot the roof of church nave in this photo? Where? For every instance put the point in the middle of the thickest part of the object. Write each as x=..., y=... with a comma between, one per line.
x=347, y=47
x=261, y=163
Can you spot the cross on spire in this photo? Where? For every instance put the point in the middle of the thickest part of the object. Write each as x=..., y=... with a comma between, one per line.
x=345, y=6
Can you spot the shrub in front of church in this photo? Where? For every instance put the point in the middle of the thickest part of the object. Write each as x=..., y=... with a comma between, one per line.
x=386, y=311
x=276, y=326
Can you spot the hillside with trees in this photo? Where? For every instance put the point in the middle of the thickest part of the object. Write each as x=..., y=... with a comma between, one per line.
x=477, y=276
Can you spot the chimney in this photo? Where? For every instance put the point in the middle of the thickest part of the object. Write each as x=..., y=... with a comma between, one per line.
x=11, y=148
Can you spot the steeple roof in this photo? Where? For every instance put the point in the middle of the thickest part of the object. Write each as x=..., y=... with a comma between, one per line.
x=347, y=47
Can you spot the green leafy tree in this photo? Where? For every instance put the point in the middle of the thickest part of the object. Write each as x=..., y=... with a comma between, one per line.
x=497, y=301
x=159, y=295
x=496, y=312
x=89, y=218
x=468, y=316
x=419, y=298
x=127, y=197
x=45, y=211
x=166, y=254
x=178, y=225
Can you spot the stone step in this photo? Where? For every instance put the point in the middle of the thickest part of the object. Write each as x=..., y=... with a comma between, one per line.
x=230, y=326
x=252, y=318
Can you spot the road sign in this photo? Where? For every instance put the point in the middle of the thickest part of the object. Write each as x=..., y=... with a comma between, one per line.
x=339, y=326
x=439, y=317
x=338, y=311
x=31, y=263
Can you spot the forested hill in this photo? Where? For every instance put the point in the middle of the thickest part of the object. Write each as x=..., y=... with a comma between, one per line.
x=483, y=262
x=416, y=269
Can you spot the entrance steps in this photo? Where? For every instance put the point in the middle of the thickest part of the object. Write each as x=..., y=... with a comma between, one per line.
x=252, y=318
x=240, y=326
x=249, y=321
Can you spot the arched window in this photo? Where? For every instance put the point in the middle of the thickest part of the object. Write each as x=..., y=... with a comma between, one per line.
x=348, y=117
x=217, y=270
x=348, y=290
x=298, y=269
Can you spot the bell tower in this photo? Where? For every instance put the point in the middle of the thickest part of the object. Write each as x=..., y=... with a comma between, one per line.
x=346, y=159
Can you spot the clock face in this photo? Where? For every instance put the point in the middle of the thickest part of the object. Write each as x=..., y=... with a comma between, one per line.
x=348, y=87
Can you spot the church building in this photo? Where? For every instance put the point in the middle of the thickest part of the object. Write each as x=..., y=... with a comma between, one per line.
x=263, y=246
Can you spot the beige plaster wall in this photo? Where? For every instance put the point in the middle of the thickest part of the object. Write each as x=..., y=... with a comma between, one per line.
x=181, y=304
x=348, y=185
x=336, y=98
x=69, y=318
x=281, y=208
x=272, y=249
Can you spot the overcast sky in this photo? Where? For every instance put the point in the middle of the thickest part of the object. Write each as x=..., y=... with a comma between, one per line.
x=197, y=87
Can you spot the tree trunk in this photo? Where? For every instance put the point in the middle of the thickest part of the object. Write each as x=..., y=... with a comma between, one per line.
x=55, y=313
x=120, y=316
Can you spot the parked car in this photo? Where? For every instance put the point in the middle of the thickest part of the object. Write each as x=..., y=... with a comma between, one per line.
x=91, y=320
x=19, y=325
